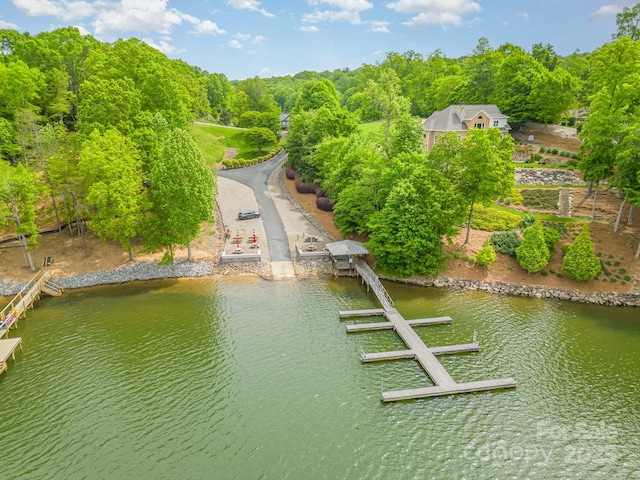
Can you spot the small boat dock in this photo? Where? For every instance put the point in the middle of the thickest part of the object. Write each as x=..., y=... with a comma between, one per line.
x=416, y=348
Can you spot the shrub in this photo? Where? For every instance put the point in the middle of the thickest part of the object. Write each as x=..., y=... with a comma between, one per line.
x=580, y=262
x=542, y=150
x=486, y=255
x=574, y=155
x=533, y=253
x=303, y=187
x=559, y=227
x=554, y=151
x=290, y=172
x=535, y=157
x=506, y=242
x=551, y=238
x=492, y=220
x=325, y=204
x=515, y=197
x=527, y=221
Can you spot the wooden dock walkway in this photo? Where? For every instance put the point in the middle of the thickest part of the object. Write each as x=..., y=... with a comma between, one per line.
x=8, y=349
x=18, y=306
x=416, y=348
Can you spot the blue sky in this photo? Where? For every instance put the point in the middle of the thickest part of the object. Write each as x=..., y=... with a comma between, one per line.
x=247, y=38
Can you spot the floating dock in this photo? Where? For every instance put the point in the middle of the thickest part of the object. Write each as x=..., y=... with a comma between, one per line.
x=416, y=348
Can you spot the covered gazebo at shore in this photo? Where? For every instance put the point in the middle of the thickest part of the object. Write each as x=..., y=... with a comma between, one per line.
x=343, y=252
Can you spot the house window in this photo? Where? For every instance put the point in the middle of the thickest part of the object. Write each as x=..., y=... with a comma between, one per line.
x=478, y=125
x=435, y=138
x=495, y=123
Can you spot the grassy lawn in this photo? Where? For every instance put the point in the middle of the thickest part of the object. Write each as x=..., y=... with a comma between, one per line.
x=372, y=127
x=212, y=141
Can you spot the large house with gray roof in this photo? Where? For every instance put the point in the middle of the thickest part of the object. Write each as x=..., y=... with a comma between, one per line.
x=461, y=118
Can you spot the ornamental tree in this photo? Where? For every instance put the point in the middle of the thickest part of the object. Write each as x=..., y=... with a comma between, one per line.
x=533, y=253
x=580, y=262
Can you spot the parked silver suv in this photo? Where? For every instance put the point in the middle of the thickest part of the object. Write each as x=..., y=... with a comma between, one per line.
x=246, y=214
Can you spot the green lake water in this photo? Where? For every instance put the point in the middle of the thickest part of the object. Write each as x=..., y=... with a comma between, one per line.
x=226, y=378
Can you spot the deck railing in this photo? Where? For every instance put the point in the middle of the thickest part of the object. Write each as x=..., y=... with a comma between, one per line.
x=23, y=300
x=373, y=281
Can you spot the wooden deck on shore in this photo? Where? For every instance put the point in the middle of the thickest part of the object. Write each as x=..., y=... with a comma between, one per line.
x=416, y=348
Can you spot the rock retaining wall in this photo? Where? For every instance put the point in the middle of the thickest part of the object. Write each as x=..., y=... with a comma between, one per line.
x=535, y=291
x=545, y=176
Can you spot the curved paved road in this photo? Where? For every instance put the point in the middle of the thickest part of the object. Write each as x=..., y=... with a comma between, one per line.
x=256, y=177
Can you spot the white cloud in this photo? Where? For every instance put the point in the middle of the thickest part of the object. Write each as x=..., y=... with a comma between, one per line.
x=64, y=10
x=343, y=11
x=244, y=38
x=332, y=16
x=265, y=70
x=379, y=27
x=435, y=12
x=309, y=28
x=351, y=5
x=605, y=11
x=207, y=27
x=252, y=5
x=8, y=25
x=138, y=16
x=83, y=31
x=524, y=16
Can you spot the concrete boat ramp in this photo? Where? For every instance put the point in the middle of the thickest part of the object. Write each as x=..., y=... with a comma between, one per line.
x=416, y=348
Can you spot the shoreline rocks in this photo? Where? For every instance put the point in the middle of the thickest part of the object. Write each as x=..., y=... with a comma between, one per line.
x=614, y=299
x=143, y=271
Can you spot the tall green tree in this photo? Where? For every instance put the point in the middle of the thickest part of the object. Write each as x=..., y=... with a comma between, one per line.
x=628, y=22
x=406, y=236
x=116, y=197
x=18, y=196
x=182, y=195
x=485, y=168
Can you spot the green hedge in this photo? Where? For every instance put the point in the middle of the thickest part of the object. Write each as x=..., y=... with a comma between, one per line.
x=492, y=220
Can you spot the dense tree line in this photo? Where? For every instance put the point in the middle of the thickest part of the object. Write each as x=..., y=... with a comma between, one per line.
x=100, y=129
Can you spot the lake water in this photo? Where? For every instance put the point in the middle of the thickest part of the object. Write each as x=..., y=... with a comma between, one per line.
x=245, y=378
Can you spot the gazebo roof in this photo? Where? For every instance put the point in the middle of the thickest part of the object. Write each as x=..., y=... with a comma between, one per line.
x=346, y=247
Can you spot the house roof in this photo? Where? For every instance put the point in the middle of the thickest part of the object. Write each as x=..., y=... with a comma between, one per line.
x=346, y=247
x=453, y=117
x=284, y=116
